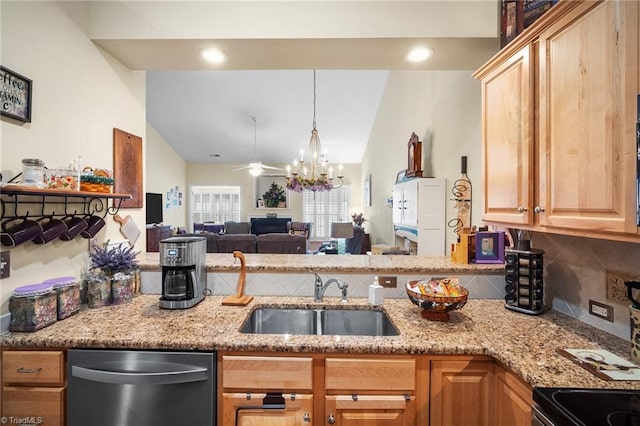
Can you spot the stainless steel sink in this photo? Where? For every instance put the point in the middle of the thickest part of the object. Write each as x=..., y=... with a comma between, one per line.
x=281, y=321
x=344, y=322
x=356, y=323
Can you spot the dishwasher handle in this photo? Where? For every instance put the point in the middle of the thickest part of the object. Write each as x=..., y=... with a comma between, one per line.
x=195, y=374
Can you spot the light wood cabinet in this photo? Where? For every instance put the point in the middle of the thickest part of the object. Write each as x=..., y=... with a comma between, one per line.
x=513, y=399
x=265, y=390
x=558, y=108
x=242, y=409
x=507, y=142
x=374, y=391
x=460, y=392
x=33, y=386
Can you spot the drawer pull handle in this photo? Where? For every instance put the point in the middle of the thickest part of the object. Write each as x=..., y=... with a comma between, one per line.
x=28, y=371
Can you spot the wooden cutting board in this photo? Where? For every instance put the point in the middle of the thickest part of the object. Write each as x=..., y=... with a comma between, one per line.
x=127, y=167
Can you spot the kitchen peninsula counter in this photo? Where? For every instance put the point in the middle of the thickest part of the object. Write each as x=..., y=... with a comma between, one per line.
x=526, y=344
x=393, y=264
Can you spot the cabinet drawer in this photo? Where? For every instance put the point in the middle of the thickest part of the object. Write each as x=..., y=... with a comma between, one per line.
x=33, y=367
x=44, y=405
x=370, y=374
x=255, y=372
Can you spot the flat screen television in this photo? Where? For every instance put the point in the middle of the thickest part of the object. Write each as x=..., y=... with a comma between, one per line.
x=153, y=207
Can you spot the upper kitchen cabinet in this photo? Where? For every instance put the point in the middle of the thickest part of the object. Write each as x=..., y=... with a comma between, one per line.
x=559, y=107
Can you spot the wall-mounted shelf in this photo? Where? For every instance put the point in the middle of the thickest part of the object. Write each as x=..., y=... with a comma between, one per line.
x=19, y=201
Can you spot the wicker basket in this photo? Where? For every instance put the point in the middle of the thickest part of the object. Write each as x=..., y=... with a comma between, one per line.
x=95, y=187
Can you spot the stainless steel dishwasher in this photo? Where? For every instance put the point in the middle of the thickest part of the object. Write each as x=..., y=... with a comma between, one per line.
x=127, y=388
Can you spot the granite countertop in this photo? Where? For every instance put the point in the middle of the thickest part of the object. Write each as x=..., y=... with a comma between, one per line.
x=526, y=344
x=221, y=262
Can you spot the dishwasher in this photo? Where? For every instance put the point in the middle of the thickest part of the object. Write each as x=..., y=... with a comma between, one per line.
x=141, y=388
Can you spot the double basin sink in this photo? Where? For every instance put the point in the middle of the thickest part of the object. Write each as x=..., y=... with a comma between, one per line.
x=308, y=321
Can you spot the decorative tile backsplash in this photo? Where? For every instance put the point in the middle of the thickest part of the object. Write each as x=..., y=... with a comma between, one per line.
x=576, y=272
x=272, y=284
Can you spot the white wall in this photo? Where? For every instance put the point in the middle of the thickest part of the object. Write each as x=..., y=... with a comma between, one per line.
x=166, y=170
x=444, y=104
x=79, y=95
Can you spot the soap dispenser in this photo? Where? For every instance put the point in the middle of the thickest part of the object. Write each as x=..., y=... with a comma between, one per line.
x=375, y=293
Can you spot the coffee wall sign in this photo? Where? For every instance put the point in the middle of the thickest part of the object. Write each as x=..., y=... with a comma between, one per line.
x=15, y=95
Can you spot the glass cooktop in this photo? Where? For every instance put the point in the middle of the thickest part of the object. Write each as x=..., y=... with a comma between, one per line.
x=587, y=407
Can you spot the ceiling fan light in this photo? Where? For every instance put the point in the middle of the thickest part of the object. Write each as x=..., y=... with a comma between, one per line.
x=255, y=171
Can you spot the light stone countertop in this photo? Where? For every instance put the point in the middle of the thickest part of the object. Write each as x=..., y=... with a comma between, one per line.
x=399, y=264
x=526, y=344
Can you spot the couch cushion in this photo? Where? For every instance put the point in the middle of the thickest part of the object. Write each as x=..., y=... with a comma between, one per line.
x=268, y=225
x=236, y=228
x=281, y=243
x=212, y=240
x=228, y=243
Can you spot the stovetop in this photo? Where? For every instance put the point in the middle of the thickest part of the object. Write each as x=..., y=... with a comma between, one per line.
x=589, y=407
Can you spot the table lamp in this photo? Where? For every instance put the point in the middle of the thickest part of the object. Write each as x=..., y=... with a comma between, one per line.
x=341, y=230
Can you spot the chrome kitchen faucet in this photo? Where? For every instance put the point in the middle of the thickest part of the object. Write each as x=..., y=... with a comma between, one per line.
x=320, y=287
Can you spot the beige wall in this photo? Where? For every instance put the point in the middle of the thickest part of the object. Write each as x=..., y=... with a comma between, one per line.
x=206, y=174
x=443, y=109
x=166, y=170
x=79, y=95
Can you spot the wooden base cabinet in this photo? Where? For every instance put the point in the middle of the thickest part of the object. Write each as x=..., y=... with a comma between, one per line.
x=513, y=399
x=34, y=387
x=241, y=409
x=460, y=392
x=370, y=391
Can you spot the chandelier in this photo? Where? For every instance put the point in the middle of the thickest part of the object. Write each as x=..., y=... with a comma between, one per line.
x=316, y=175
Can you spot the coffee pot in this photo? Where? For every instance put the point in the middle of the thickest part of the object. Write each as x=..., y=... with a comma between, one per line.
x=184, y=277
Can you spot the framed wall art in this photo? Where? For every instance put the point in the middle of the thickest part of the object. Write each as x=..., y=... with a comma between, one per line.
x=366, y=191
x=15, y=95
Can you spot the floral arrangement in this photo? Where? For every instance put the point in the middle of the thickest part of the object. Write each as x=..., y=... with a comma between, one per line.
x=112, y=259
x=274, y=196
x=298, y=184
x=358, y=218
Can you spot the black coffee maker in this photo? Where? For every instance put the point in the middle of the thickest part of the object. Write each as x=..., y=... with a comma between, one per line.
x=184, y=276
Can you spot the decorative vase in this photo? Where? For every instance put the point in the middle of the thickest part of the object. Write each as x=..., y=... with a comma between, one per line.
x=121, y=288
x=98, y=290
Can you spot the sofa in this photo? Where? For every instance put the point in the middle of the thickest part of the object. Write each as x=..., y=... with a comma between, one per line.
x=274, y=243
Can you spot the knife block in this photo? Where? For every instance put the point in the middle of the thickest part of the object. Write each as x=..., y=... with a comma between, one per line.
x=524, y=281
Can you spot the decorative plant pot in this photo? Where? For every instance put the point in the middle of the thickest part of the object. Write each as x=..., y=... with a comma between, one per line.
x=121, y=288
x=99, y=291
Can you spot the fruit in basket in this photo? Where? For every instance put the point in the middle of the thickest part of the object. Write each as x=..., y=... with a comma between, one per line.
x=437, y=297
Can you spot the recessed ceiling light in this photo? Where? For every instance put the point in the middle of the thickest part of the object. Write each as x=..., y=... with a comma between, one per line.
x=419, y=54
x=213, y=55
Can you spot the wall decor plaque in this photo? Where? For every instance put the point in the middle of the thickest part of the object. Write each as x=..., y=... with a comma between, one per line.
x=15, y=95
x=127, y=167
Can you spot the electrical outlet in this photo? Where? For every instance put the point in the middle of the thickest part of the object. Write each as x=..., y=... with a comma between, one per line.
x=616, y=290
x=601, y=310
x=388, y=281
x=5, y=264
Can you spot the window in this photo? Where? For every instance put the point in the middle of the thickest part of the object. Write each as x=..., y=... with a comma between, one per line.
x=215, y=204
x=322, y=208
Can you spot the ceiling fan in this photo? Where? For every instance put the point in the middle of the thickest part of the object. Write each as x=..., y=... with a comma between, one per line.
x=256, y=167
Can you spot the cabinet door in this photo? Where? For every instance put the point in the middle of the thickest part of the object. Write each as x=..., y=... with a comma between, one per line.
x=460, y=393
x=38, y=405
x=239, y=411
x=588, y=84
x=507, y=141
x=367, y=410
x=410, y=195
x=398, y=204
x=513, y=399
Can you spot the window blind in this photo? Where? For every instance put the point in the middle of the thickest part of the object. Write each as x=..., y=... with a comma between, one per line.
x=323, y=207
